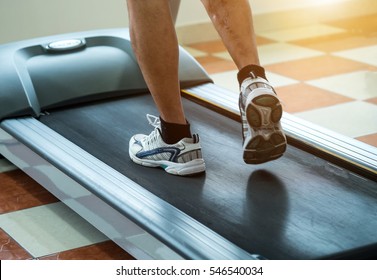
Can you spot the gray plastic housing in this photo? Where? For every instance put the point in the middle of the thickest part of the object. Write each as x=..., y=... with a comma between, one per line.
x=68, y=69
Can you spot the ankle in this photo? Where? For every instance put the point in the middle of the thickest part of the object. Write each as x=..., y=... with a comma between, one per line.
x=251, y=71
x=173, y=132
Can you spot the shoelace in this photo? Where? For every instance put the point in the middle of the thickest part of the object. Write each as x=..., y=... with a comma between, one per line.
x=151, y=139
x=153, y=120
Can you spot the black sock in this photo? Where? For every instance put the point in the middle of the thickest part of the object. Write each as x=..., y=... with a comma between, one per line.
x=174, y=132
x=245, y=72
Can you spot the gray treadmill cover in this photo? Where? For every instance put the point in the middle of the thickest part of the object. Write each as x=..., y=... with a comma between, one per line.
x=67, y=69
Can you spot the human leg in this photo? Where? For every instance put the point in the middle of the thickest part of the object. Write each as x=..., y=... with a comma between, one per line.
x=260, y=108
x=170, y=145
x=156, y=48
x=233, y=22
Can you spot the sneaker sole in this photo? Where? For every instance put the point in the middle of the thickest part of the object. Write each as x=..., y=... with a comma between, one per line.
x=268, y=143
x=192, y=167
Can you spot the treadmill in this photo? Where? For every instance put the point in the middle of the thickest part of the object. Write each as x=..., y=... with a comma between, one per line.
x=69, y=105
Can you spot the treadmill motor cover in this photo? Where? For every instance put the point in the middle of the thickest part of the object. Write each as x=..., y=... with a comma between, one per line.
x=61, y=70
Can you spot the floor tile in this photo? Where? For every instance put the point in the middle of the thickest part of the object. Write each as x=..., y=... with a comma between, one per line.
x=49, y=229
x=102, y=251
x=227, y=80
x=360, y=85
x=10, y=249
x=303, y=32
x=261, y=40
x=337, y=42
x=194, y=52
x=218, y=46
x=353, y=119
x=282, y=52
x=215, y=65
x=370, y=139
x=372, y=100
x=301, y=97
x=278, y=52
x=365, y=24
x=209, y=47
x=316, y=67
x=223, y=55
x=279, y=80
x=367, y=55
x=18, y=191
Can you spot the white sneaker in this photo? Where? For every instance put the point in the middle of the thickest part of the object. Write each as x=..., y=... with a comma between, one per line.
x=182, y=158
x=261, y=111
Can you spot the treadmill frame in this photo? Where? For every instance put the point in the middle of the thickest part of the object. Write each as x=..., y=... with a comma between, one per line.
x=122, y=209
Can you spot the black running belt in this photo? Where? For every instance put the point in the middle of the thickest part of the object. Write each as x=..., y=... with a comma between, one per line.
x=297, y=207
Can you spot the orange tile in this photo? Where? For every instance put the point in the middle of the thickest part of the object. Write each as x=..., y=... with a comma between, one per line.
x=301, y=97
x=372, y=100
x=337, y=42
x=366, y=24
x=103, y=251
x=209, y=47
x=10, y=249
x=263, y=41
x=215, y=65
x=317, y=67
x=208, y=59
x=218, y=46
x=370, y=139
x=18, y=191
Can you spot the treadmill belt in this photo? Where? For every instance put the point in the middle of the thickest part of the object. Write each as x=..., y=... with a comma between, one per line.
x=297, y=207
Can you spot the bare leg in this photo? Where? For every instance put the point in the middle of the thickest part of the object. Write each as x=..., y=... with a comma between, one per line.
x=260, y=109
x=233, y=21
x=156, y=48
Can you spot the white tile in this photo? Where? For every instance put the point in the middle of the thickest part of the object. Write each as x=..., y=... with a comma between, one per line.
x=49, y=229
x=279, y=80
x=226, y=80
x=366, y=55
x=195, y=52
x=352, y=119
x=360, y=85
x=303, y=32
x=229, y=81
x=277, y=52
x=282, y=52
x=224, y=55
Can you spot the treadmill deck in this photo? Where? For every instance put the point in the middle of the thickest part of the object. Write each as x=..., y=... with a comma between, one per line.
x=297, y=207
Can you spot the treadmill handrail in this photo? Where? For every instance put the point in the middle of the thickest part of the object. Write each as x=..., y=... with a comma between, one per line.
x=183, y=234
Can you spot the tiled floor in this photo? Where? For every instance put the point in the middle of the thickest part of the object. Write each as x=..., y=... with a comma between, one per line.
x=35, y=225
x=324, y=73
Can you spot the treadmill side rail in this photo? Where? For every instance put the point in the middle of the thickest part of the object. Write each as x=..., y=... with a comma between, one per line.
x=342, y=150
x=181, y=233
